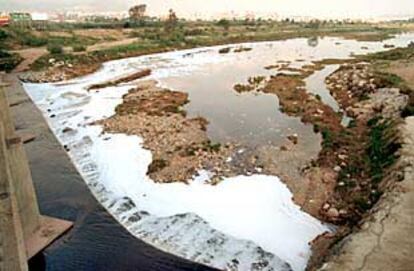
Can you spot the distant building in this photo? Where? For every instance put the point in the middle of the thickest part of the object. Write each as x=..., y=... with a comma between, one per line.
x=40, y=20
x=21, y=19
x=4, y=20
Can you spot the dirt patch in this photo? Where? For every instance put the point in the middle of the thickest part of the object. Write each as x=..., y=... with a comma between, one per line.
x=404, y=69
x=104, y=34
x=61, y=71
x=179, y=145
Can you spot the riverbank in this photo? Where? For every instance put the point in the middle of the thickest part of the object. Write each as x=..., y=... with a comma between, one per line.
x=151, y=40
x=382, y=239
x=360, y=171
x=366, y=98
x=62, y=193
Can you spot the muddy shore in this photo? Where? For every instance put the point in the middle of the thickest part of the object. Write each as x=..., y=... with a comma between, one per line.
x=337, y=186
x=62, y=193
x=347, y=189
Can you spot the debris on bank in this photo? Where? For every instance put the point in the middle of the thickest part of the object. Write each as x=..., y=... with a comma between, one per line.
x=179, y=144
x=125, y=79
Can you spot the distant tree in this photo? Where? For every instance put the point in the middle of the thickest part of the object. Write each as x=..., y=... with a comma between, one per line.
x=137, y=13
x=3, y=34
x=315, y=24
x=171, y=22
x=224, y=23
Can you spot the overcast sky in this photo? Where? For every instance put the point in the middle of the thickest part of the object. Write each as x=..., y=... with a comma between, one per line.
x=317, y=8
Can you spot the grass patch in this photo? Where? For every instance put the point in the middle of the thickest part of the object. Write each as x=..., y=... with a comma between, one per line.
x=381, y=153
x=8, y=61
x=55, y=49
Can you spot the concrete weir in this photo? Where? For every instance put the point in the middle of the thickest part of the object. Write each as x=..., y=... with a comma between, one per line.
x=23, y=232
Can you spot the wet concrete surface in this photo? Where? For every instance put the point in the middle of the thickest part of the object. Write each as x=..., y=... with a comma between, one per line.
x=97, y=241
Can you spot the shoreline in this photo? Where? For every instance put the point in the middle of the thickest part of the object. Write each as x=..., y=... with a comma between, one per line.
x=66, y=69
x=63, y=193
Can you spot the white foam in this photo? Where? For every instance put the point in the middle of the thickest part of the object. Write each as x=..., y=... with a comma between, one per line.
x=243, y=223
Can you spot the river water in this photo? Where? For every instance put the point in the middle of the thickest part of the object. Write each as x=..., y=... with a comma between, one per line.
x=245, y=222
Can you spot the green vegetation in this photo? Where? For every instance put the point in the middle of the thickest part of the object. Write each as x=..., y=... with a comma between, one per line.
x=394, y=54
x=18, y=37
x=381, y=153
x=224, y=23
x=55, y=49
x=79, y=48
x=154, y=36
x=327, y=137
x=382, y=61
x=8, y=61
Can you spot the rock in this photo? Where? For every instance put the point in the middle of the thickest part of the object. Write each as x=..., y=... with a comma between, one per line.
x=283, y=148
x=67, y=130
x=293, y=138
x=343, y=212
x=337, y=168
x=361, y=83
x=319, y=111
x=332, y=212
x=326, y=206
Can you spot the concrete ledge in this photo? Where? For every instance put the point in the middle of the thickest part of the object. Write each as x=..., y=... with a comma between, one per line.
x=50, y=229
x=385, y=242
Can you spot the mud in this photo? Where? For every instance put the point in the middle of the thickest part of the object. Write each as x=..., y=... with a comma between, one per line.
x=180, y=145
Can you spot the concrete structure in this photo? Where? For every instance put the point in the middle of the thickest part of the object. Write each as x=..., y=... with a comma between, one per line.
x=24, y=232
x=386, y=241
x=21, y=19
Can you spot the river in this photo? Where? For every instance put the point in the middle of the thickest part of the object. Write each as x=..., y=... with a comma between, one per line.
x=245, y=222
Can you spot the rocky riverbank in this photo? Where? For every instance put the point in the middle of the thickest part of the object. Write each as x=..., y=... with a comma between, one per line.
x=338, y=183
x=356, y=164
x=180, y=145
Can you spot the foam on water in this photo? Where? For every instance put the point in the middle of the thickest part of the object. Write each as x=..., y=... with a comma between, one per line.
x=243, y=223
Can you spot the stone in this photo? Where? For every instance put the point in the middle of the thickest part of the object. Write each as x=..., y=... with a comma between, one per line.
x=293, y=138
x=332, y=212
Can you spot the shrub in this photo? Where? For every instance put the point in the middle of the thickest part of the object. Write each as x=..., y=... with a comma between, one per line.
x=224, y=50
x=3, y=34
x=55, y=49
x=8, y=61
x=79, y=48
x=327, y=138
x=224, y=23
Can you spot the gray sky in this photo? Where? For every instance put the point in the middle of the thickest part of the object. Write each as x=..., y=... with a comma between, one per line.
x=317, y=8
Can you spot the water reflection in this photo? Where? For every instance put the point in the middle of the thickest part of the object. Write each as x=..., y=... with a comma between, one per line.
x=255, y=118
